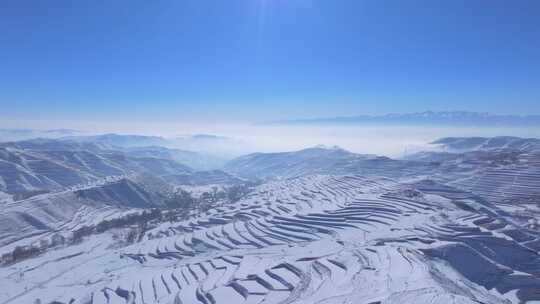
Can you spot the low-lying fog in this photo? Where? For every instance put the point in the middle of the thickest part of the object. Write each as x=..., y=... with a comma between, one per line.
x=393, y=141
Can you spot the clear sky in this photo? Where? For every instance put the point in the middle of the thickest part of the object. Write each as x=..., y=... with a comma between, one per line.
x=253, y=60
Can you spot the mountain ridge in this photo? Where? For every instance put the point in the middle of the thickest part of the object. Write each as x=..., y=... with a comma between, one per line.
x=459, y=118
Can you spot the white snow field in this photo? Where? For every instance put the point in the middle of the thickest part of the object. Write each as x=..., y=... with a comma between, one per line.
x=313, y=239
x=323, y=225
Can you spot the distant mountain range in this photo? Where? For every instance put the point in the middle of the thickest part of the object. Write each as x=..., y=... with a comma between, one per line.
x=201, y=151
x=450, y=118
x=213, y=148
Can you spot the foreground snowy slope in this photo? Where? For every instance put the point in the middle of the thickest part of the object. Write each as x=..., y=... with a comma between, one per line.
x=315, y=239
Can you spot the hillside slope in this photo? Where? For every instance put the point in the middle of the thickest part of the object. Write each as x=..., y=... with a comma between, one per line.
x=321, y=160
x=50, y=165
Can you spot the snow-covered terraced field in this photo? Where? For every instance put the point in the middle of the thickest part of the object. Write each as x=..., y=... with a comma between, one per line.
x=314, y=239
x=509, y=183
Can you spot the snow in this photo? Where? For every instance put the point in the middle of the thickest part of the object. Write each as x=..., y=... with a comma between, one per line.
x=463, y=231
x=338, y=239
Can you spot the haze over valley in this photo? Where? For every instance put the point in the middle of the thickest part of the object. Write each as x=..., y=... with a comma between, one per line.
x=228, y=140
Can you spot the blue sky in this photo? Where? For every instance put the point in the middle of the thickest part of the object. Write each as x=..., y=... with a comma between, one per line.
x=253, y=60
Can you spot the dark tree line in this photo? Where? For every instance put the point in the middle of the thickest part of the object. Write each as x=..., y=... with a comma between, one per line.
x=178, y=206
x=139, y=220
